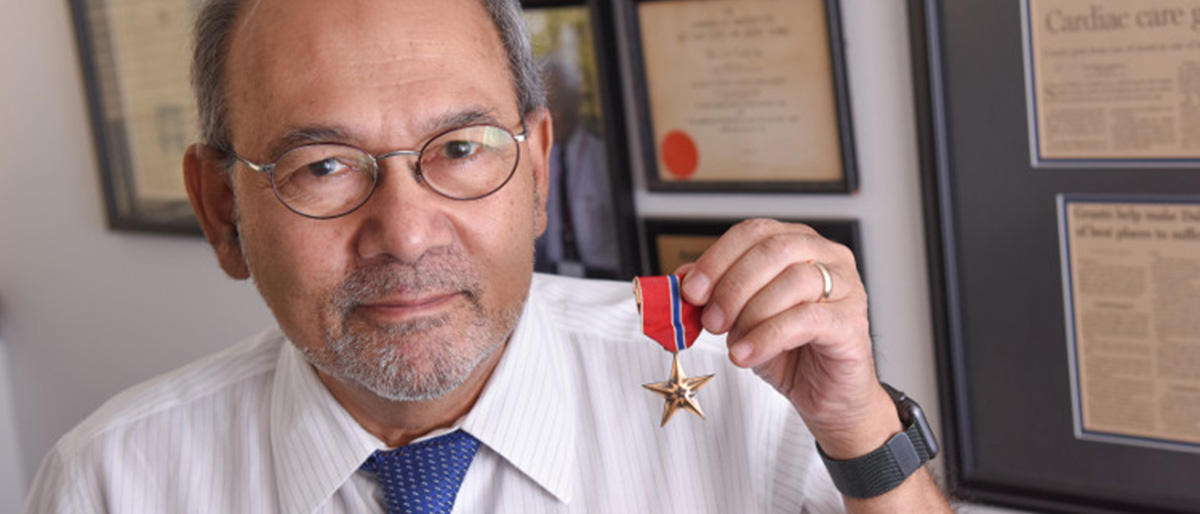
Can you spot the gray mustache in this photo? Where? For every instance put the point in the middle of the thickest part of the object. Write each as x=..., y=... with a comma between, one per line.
x=441, y=273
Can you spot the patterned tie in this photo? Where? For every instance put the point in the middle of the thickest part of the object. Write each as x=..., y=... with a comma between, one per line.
x=423, y=478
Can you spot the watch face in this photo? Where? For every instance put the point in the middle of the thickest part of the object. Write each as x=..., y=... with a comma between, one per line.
x=903, y=403
x=911, y=414
x=917, y=418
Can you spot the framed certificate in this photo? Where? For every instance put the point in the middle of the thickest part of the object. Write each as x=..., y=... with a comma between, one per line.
x=1065, y=302
x=590, y=221
x=135, y=57
x=743, y=95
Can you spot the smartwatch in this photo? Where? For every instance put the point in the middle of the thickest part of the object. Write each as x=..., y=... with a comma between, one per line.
x=889, y=465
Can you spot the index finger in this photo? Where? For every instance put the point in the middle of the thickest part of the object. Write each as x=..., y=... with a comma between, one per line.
x=713, y=263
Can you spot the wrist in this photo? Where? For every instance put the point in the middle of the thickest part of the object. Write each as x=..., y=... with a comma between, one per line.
x=863, y=435
x=889, y=465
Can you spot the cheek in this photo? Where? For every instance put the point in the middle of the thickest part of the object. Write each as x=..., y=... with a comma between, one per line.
x=295, y=264
x=502, y=234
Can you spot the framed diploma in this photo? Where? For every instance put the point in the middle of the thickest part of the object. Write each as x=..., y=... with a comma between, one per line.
x=1112, y=83
x=135, y=57
x=1066, y=303
x=590, y=220
x=672, y=242
x=743, y=95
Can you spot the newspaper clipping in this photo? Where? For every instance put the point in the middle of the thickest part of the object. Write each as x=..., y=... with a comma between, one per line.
x=1114, y=80
x=1133, y=273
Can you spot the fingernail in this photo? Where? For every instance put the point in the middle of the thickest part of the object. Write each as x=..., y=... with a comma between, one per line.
x=713, y=318
x=741, y=351
x=695, y=284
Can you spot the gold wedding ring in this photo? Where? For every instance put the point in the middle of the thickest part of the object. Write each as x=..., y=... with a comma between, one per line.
x=827, y=278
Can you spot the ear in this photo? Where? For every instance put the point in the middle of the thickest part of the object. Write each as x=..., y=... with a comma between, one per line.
x=212, y=198
x=540, y=141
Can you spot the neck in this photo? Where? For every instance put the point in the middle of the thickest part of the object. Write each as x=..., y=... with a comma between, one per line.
x=399, y=423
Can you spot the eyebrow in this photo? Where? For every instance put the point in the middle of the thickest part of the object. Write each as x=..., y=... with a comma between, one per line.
x=468, y=116
x=309, y=134
x=306, y=135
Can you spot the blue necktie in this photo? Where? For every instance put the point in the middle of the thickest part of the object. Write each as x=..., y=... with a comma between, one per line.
x=423, y=478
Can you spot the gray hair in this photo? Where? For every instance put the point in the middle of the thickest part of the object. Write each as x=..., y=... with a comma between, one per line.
x=215, y=24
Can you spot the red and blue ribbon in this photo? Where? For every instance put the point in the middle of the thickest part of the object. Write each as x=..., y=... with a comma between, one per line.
x=666, y=318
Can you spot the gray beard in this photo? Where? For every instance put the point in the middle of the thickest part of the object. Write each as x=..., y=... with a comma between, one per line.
x=386, y=359
x=377, y=361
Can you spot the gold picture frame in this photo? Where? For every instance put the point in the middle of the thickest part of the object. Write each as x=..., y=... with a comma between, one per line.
x=135, y=57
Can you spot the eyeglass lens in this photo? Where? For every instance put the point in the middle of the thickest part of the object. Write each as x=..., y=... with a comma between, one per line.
x=328, y=180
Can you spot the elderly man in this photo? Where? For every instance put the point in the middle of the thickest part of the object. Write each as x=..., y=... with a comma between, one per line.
x=379, y=168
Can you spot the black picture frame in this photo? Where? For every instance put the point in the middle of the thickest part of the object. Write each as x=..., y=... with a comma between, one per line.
x=847, y=182
x=992, y=234
x=707, y=230
x=611, y=129
x=128, y=205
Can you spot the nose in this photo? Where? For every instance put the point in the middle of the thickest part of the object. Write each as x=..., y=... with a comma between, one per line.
x=404, y=218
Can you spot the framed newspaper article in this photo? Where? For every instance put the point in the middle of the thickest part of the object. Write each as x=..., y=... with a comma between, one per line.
x=1112, y=83
x=1131, y=286
x=135, y=57
x=1066, y=303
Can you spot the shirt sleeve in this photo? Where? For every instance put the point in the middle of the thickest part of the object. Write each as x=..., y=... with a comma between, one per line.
x=798, y=481
x=60, y=487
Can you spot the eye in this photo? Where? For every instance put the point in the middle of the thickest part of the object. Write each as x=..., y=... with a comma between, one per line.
x=325, y=167
x=459, y=149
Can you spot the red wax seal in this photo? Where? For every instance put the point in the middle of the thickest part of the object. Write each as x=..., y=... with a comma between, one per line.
x=680, y=155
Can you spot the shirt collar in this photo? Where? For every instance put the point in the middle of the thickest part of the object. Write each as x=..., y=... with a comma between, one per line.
x=316, y=445
x=524, y=413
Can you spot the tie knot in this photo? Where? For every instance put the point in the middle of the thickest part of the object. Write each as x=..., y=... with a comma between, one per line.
x=423, y=477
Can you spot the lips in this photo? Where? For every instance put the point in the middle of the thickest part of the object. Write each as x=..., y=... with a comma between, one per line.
x=409, y=306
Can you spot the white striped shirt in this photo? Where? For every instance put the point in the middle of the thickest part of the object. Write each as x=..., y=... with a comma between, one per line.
x=564, y=423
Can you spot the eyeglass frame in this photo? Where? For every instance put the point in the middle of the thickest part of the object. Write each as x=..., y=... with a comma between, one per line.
x=269, y=168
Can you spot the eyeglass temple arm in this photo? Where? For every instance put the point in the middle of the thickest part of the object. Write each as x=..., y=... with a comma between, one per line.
x=261, y=168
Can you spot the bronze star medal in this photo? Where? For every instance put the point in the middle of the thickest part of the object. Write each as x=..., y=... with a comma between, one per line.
x=679, y=391
x=674, y=325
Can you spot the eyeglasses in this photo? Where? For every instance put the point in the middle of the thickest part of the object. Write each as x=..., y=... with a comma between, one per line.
x=328, y=180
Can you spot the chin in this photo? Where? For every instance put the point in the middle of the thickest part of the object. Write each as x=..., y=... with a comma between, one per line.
x=414, y=361
x=417, y=379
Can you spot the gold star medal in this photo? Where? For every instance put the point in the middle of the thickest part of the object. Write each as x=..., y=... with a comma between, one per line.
x=675, y=325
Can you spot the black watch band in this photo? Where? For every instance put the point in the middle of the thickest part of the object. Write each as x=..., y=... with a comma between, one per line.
x=889, y=465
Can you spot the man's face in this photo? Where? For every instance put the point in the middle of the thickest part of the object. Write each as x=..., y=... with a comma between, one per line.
x=406, y=295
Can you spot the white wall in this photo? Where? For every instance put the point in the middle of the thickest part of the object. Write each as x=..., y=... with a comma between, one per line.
x=91, y=311
x=12, y=481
